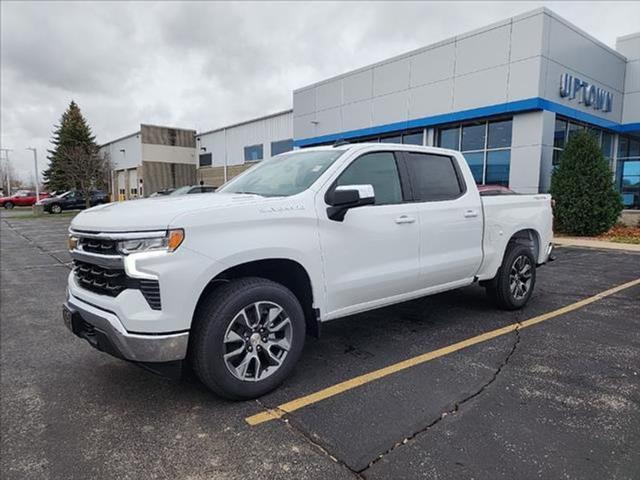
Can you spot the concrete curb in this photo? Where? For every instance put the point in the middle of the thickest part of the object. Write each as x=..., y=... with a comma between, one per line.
x=588, y=243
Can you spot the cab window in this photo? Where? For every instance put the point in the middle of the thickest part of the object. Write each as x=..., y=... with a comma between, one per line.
x=378, y=169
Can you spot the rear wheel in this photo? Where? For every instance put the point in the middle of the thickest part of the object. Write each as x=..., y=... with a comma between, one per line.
x=55, y=208
x=247, y=337
x=8, y=205
x=513, y=284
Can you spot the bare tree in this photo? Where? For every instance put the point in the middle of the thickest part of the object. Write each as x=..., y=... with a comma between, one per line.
x=84, y=168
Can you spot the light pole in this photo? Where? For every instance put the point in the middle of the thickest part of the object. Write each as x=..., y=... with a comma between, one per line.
x=35, y=162
x=6, y=153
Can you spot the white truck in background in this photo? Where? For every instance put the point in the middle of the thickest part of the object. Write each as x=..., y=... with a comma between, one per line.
x=232, y=282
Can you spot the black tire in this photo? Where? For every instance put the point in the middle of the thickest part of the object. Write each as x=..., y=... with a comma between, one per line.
x=213, y=319
x=8, y=205
x=55, y=208
x=500, y=290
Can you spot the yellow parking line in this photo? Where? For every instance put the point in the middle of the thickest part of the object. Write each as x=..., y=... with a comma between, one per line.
x=360, y=380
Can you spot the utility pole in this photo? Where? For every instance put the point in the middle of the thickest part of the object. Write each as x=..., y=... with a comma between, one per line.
x=35, y=161
x=6, y=156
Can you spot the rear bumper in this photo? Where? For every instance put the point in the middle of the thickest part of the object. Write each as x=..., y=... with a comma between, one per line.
x=104, y=331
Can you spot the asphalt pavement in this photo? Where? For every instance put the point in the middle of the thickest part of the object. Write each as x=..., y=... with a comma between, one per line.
x=559, y=399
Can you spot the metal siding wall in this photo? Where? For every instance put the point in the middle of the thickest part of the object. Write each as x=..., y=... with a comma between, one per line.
x=161, y=175
x=516, y=59
x=262, y=131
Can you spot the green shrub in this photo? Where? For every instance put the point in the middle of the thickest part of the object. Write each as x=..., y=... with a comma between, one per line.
x=587, y=202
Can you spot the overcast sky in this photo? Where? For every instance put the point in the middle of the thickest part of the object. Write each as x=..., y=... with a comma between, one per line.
x=203, y=65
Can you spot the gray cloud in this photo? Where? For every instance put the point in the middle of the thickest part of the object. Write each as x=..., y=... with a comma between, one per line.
x=201, y=65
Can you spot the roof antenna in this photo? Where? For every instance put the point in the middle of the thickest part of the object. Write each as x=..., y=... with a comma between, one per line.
x=340, y=142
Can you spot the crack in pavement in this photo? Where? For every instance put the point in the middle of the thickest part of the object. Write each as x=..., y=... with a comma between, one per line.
x=289, y=420
x=455, y=408
x=300, y=432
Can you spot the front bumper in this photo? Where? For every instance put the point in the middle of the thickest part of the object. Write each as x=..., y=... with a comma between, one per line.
x=104, y=331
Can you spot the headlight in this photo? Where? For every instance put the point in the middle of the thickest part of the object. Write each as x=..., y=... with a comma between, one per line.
x=73, y=242
x=168, y=243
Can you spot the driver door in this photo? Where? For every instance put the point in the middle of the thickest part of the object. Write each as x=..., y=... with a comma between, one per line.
x=373, y=253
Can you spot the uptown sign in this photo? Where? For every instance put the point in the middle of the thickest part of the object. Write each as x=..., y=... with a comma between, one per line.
x=587, y=93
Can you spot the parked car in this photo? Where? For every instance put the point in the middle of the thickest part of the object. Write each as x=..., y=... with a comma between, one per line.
x=161, y=193
x=72, y=200
x=486, y=190
x=189, y=189
x=234, y=281
x=22, y=198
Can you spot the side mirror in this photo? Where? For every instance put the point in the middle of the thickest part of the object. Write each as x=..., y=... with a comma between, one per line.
x=344, y=197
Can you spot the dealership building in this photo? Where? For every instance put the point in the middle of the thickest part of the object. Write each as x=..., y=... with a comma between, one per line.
x=508, y=96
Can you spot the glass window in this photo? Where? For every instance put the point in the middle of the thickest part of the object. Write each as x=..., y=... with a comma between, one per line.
x=281, y=146
x=623, y=147
x=606, y=144
x=473, y=136
x=573, y=128
x=498, y=167
x=631, y=168
x=499, y=134
x=253, y=153
x=449, y=138
x=433, y=177
x=476, y=164
x=560, y=133
x=392, y=139
x=556, y=157
x=413, y=138
x=378, y=169
x=634, y=148
x=286, y=174
x=205, y=159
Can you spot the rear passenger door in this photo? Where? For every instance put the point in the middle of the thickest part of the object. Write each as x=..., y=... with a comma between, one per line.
x=450, y=219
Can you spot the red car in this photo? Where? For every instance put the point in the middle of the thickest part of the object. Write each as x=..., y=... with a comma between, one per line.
x=22, y=198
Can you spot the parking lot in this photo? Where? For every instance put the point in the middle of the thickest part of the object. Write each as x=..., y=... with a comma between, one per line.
x=552, y=391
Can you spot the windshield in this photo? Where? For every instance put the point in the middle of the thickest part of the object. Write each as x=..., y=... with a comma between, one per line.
x=283, y=175
x=66, y=194
x=180, y=191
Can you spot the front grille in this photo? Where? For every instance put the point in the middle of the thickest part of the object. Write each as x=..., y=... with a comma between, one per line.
x=99, y=245
x=99, y=279
x=111, y=282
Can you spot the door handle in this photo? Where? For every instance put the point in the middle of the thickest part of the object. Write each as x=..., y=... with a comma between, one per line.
x=470, y=213
x=405, y=219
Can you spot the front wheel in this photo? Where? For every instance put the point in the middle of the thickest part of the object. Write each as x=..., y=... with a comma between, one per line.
x=247, y=337
x=8, y=205
x=513, y=284
x=56, y=209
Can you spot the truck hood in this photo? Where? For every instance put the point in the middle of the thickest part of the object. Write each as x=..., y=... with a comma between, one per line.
x=154, y=213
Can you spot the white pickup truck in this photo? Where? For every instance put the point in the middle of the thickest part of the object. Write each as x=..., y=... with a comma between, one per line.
x=232, y=282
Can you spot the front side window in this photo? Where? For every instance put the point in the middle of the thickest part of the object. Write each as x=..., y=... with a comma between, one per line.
x=253, y=153
x=378, y=169
x=433, y=177
x=284, y=175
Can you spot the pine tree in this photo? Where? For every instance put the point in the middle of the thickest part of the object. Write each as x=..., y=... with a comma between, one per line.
x=72, y=133
x=587, y=202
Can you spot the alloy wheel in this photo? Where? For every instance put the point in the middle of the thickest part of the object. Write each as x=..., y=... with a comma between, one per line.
x=520, y=277
x=257, y=341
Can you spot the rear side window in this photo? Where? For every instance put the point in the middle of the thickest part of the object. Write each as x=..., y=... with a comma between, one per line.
x=379, y=170
x=433, y=177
